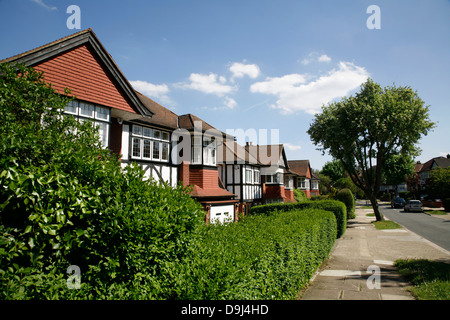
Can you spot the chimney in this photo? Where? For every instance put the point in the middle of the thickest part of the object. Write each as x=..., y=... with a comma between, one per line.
x=249, y=143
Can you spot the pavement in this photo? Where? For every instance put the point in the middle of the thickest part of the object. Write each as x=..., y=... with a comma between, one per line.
x=360, y=266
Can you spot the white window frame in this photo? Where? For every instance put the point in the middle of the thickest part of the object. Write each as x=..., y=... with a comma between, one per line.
x=196, y=157
x=248, y=175
x=209, y=150
x=98, y=118
x=256, y=176
x=274, y=178
x=151, y=138
x=303, y=183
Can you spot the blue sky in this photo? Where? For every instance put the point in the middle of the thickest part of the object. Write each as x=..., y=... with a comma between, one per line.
x=258, y=64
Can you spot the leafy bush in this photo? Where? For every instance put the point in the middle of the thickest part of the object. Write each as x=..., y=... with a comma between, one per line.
x=65, y=201
x=346, y=196
x=337, y=207
x=300, y=196
x=265, y=257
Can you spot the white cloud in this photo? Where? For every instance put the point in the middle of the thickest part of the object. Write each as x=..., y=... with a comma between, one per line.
x=240, y=70
x=291, y=146
x=158, y=91
x=295, y=94
x=208, y=83
x=324, y=58
x=42, y=4
x=278, y=85
x=314, y=57
x=230, y=102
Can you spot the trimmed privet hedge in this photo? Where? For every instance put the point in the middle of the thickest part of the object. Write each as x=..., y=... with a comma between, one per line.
x=337, y=207
x=264, y=257
x=346, y=196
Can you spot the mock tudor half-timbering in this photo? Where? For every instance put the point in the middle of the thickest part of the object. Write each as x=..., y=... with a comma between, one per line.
x=225, y=177
x=273, y=161
x=240, y=173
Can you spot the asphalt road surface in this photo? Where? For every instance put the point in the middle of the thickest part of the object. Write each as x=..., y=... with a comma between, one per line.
x=431, y=228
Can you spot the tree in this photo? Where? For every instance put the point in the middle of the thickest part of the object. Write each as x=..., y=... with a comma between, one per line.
x=334, y=170
x=397, y=168
x=438, y=186
x=364, y=130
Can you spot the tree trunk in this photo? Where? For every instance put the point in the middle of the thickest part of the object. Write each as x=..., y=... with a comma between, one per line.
x=376, y=210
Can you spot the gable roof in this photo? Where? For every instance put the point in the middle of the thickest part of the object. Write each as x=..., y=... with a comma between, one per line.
x=441, y=162
x=161, y=115
x=268, y=154
x=233, y=152
x=89, y=39
x=300, y=167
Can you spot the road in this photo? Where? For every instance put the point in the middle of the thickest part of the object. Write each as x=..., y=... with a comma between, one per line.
x=434, y=229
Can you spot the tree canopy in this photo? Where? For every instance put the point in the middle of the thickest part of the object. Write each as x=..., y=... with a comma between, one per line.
x=366, y=129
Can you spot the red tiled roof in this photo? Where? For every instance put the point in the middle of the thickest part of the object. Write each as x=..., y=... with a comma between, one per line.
x=300, y=167
x=234, y=152
x=211, y=193
x=267, y=153
x=161, y=115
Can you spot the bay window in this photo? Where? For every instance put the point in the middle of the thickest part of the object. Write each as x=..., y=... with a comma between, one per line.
x=274, y=178
x=149, y=144
x=203, y=150
x=303, y=183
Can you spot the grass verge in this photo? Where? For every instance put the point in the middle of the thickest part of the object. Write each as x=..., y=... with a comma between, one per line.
x=430, y=279
x=387, y=224
x=438, y=212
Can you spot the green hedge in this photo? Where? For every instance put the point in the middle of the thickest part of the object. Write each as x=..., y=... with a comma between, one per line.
x=337, y=207
x=346, y=196
x=264, y=257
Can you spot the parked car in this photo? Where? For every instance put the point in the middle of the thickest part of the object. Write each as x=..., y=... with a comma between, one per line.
x=398, y=202
x=413, y=205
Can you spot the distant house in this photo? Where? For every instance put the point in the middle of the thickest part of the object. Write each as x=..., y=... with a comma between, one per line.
x=423, y=170
x=273, y=161
x=305, y=180
x=240, y=173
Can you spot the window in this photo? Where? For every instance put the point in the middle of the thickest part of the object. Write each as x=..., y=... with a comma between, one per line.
x=149, y=144
x=196, y=150
x=203, y=150
x=209, y=151
x=248, y=176
x=274, y=178
x=100, y=116
x=156, y=153
x=303, y=183
x=256, y=176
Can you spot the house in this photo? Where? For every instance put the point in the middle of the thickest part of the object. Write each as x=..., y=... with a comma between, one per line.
x=423, y=170
x=240, y=173
x=304, y=180
x=131, y=124
x=201, y=169
x=273, y=161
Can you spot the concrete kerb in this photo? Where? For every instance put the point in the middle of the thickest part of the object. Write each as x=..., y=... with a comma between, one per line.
x=360, y=266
